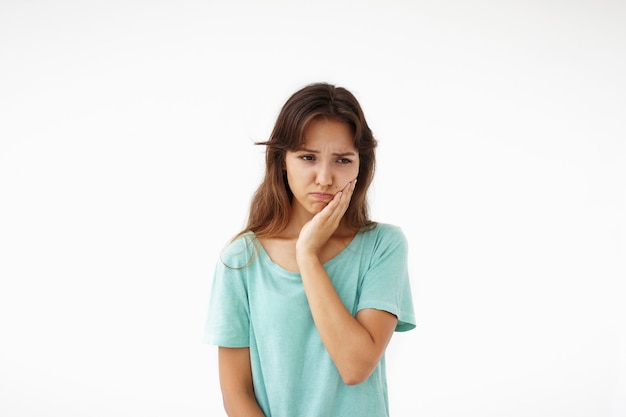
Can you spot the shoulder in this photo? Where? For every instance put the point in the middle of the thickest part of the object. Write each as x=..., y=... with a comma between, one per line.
x=388, y=228
x=386, y=233
x=385, y=241
x=241, y=251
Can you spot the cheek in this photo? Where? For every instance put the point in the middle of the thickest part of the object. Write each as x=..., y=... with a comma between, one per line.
x=296, y=177
x=355, y=171
x=345, y=177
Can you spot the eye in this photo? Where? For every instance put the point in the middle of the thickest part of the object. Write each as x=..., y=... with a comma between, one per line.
x=307, y=157
x=344, y=161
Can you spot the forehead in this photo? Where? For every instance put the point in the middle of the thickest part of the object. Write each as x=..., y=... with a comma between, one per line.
x=326, y=132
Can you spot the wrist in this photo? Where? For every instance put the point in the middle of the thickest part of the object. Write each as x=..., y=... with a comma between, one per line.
x=307, y=258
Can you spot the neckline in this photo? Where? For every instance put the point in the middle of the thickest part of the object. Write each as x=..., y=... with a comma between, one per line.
x=266, y=257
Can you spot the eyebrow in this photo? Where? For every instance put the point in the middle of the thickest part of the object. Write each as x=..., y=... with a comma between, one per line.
x=340, y=154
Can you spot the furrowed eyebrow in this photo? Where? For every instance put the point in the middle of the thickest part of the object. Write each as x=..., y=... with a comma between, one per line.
x=342, y=154
x=306, y=150
x=345, y=154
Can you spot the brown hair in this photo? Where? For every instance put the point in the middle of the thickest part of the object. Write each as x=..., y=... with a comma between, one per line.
x=271, y=203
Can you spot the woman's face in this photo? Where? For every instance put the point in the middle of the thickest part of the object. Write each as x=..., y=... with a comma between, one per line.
x=324, y=164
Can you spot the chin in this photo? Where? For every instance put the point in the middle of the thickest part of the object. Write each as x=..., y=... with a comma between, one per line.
x=316, y=208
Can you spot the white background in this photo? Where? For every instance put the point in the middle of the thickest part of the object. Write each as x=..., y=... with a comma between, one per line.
x=127, y=161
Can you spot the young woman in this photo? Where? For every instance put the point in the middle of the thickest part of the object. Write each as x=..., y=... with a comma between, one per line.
x=306, y=298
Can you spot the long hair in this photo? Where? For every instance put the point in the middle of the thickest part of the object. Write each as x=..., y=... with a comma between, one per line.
x=270, y=207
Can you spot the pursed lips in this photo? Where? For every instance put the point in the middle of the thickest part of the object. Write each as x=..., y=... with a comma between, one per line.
x=322, y=196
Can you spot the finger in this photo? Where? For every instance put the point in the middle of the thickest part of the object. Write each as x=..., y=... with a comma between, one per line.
x=351, y=187
x=340, y=203
x=336, y=208
x=334, y=205
x=326, y=213
x=348, y=191
x=329, y=215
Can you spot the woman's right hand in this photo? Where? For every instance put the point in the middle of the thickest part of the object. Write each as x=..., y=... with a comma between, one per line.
x=316, y=232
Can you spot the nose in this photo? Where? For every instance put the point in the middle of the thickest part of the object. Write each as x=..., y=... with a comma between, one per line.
x=324, y=176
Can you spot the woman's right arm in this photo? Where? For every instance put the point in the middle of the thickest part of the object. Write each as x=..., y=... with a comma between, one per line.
x=236, y=383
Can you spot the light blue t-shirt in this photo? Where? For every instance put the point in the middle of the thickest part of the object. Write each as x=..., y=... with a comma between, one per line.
x=257, y=304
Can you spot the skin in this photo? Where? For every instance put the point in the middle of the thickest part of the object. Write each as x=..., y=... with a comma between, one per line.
x=322, y=176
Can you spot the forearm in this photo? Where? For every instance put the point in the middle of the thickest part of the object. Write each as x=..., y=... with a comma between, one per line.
x=349, y=344
x=236, y=383
x=242, y=404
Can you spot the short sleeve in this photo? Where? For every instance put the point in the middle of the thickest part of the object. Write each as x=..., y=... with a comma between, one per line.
x=228, y=318
x=386, y=284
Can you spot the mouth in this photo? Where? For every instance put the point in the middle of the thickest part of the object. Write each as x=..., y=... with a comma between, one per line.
x=322, y=196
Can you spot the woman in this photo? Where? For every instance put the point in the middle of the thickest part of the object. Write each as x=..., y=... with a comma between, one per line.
x=306, y=298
